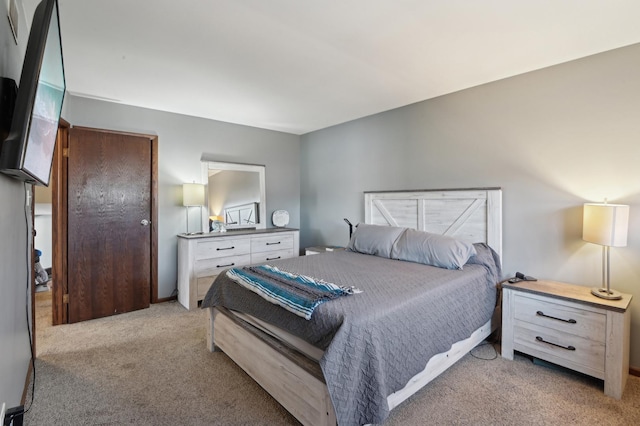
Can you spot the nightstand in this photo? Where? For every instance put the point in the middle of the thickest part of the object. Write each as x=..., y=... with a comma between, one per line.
x=566, y=325
x=321, y=249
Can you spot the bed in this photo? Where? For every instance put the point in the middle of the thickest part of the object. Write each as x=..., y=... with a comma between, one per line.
x=360, y=356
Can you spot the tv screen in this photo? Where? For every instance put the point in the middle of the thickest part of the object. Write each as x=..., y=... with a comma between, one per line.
x=27, y=153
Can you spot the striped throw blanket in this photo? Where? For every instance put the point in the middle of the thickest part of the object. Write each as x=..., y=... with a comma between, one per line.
x=296, y=293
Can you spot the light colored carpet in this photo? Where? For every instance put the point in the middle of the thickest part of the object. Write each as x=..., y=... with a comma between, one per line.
x=151, y=367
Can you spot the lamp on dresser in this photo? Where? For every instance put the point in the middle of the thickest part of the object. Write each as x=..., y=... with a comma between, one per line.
x=192, y=196
x=606, y=225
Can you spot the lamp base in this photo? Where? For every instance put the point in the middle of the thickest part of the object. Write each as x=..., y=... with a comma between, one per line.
x=606, y=294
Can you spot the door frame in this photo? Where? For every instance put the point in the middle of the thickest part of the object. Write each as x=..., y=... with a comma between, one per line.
x=60, y=288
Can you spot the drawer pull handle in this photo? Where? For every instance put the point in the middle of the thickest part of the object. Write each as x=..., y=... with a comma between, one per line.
x=224, y=266
x=273, y=244
x=542, y=314
x=226, y=248
x=569, y=348
x=273, y=258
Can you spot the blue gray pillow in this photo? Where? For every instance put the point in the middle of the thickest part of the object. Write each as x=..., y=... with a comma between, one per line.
x=377, y=240
x=432, y=249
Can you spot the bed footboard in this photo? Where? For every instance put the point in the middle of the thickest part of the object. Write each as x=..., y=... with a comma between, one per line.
x=210, y=343
x=295, y=381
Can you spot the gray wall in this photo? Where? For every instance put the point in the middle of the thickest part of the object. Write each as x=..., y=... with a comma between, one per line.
x=552, y=139
x=14, y=231
x=182, y=142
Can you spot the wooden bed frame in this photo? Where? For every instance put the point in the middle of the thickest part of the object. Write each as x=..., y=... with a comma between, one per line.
x=297, y=382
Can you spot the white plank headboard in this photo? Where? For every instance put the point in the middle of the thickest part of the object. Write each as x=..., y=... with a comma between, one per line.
x=473, y=215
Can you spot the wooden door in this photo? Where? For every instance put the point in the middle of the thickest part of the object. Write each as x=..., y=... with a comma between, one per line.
x=109, y=223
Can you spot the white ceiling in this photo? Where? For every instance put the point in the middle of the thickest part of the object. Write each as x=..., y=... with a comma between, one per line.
x=302, y=65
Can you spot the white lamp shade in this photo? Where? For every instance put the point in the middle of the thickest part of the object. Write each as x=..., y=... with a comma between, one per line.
x=605, y=224
x=192, y=194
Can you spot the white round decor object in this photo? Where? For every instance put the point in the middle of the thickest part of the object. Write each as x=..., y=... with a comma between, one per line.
x=280, y=218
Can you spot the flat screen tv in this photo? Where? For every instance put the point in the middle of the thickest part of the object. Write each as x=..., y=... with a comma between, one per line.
x=27, y=152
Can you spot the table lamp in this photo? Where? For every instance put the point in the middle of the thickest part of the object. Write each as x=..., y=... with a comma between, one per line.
x=192, y=196
x=606, y=225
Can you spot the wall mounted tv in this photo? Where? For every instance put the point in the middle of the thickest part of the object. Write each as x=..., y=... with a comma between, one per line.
x=27, y=152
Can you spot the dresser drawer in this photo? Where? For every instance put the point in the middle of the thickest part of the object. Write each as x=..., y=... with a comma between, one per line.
x=203, y=285
x=553, y=314
x=566, y=349
x=271, y=255
x=208, y=267
x=275, y=242
x=222, y=247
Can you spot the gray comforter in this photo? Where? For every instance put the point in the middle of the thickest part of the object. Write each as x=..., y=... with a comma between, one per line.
x=374, y=342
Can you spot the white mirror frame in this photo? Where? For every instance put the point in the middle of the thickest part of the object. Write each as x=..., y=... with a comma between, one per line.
x=239, y=167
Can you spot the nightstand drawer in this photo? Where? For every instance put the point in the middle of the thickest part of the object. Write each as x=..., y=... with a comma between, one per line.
x=545, y=342
x=272, y=243
x=208, y=267
x=222, y=247
x=554, y=314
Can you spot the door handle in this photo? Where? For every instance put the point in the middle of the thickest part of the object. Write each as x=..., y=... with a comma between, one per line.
x=145, y=222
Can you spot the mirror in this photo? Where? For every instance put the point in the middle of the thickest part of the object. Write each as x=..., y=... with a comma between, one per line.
x=235, y=195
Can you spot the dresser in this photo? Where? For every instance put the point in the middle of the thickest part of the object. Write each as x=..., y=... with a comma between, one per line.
x=202, y=257
x=566, y=325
